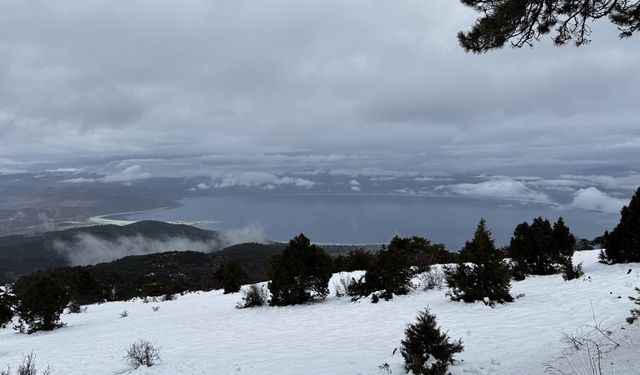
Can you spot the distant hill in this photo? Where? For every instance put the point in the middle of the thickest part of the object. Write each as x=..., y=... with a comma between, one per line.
x=161, y=273
x=22, y=254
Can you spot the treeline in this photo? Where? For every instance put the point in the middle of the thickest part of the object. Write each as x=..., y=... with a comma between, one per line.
x=299, y=272
x=155, y=274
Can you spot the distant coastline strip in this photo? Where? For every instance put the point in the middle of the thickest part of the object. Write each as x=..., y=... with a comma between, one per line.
x=113, y=219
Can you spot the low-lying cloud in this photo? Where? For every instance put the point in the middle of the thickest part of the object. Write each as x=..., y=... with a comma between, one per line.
x=87, y=249
x=251, y=233
x=130, y=173
x=265, y=180
x=498, y=189
x=593, y=199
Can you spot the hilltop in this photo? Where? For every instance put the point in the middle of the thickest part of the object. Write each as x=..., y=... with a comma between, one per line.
x=204, y=333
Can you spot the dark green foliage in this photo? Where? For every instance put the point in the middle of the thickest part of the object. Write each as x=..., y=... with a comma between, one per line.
x=426, y=254
x=541, y=249
x=391, y=271
x=84, y=288
x=40, y=304
x=522, y=22
x=426, y=349
x=355, y=260
x=598, y=242
x=563, y=241
x=232, y=276
x=570, y=272
x=75, y=308
x=157, y=274
x=583, y=244
x=487, y=278
x=6, y=314
x=7, y=301
x=622, y=244
x=635, y=313
x=300, y=274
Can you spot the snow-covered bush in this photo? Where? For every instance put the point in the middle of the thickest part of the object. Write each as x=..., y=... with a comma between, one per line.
x=254, y=295
x=142, y=353
x=432, y=279
x=169, y=297
x=345, y=286
x=426, y=349
x=27, y=367
x=589, y=350
x=75, y=308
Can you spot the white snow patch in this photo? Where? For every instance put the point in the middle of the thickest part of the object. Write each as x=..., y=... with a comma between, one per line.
x=203, y=333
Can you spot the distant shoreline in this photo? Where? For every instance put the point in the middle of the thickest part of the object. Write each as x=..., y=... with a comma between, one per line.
x=107, y=219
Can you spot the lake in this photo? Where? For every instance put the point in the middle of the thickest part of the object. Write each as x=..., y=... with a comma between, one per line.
x=366, y=219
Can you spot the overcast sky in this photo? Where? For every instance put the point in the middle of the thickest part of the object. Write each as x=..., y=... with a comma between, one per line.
x=374, y=80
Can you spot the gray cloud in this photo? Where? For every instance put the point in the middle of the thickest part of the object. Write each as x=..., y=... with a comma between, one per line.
x=337, y=80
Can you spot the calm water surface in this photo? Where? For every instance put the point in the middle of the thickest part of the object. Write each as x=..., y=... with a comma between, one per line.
x=371, y=218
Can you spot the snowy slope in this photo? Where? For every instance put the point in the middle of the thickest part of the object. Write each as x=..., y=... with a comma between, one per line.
x=203, y=333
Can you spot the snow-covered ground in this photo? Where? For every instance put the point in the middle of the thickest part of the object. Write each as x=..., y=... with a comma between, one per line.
x=203, y=333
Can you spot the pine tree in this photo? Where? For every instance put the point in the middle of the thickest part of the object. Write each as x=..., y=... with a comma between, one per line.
x=391, y=271
x=426, y=349
x=300, y=274
x=539, y=248
x=519, y=251
x=84, y=288
x=521, y=23
x=622, y=244
x=542, y=257
x=40, y=304
x=7, y=301
x=565, y=243
x=232, y=276
x=487, y=278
